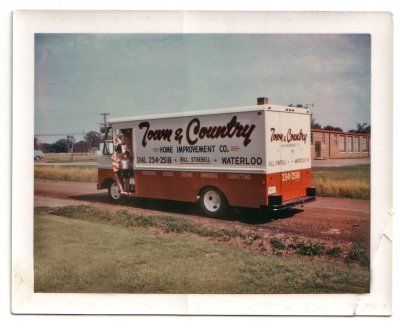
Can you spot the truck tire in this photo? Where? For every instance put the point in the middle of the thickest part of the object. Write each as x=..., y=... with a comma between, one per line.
x=113, y=192
x=213, y=202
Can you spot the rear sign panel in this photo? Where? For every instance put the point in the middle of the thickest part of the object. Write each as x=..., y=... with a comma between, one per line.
x=288, y=143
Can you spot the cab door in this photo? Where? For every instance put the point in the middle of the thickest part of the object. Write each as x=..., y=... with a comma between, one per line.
x=106, y=150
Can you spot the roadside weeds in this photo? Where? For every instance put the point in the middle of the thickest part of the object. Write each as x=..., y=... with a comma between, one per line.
x=243, y=238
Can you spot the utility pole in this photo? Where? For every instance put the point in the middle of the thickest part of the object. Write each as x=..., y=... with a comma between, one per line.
x=83, y=136
x=104, y=124
x=71, y=141
x=104, y=117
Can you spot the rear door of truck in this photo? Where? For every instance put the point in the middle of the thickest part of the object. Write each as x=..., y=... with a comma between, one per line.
x=288, y=152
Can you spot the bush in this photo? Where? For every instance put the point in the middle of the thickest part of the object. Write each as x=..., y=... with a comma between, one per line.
x=277, y=243
x=255, y=236
x=333, y=251
x=230, y=233
x=311, y=249
x=358, y=254
x=123, y=217
x=146, y=221
x=81, y=211
x=178, y=225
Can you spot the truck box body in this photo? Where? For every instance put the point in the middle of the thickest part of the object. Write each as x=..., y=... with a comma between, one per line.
x=247, y=153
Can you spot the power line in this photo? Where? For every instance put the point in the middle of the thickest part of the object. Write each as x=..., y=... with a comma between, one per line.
x=58, y=134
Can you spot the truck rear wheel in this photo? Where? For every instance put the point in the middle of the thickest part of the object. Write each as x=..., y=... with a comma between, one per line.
x=113, y=192
x=212, y=202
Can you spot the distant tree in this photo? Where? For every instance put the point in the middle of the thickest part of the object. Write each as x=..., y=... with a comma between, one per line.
x=361, y=128
x=60, y=146
x=314, y=124
x=92, y=139
x=367, y=129
x=35, y=143
x=81, y=146
x=332, y=128
x=47, y=148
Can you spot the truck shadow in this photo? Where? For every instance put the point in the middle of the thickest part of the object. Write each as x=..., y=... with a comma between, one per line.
x=260, y=216
x=241, y=214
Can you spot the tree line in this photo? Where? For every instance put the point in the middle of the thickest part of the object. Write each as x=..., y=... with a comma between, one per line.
x=92, y=139
x=90, y=142
x=360, y=127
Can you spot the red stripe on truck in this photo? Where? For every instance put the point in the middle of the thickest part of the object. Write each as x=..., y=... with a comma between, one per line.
x=240, y=189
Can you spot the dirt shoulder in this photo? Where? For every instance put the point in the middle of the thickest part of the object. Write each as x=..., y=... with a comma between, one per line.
x=333, y=222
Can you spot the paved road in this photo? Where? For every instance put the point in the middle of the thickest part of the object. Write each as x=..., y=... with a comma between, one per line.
x=328, y=219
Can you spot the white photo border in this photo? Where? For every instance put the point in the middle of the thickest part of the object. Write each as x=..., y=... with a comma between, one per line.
x=378, y=25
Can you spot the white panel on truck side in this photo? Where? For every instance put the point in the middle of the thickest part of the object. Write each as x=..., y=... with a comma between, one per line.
x=215, y=142
x=287, y=141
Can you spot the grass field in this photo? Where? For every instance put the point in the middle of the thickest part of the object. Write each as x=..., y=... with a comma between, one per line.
x=67, y=173
x=248, y=239
x=88, y=255
x=66, y=157
x=348, y=181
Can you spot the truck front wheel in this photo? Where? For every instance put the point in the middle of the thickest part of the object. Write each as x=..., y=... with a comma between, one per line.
x=113, y=192
x=213, y=202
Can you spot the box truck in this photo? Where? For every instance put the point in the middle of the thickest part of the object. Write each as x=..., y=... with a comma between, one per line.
x=255, y=156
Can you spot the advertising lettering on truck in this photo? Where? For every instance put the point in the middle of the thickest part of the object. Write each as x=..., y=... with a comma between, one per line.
x=256, y=156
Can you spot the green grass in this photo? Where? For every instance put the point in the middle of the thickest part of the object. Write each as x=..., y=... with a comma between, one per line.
x=174, y=224
x=66, y=173
x=125, y=218
x=74, y=255
x=347, y=182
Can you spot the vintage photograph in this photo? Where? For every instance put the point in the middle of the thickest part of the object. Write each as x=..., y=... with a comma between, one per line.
x=194, y=163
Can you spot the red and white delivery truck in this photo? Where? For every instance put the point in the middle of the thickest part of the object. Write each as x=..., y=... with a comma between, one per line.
x=256, y=156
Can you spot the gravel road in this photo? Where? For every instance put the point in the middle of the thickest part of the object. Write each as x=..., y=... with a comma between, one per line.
x=328, y=219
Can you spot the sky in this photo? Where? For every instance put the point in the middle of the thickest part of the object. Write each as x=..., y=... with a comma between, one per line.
x=79, y=76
